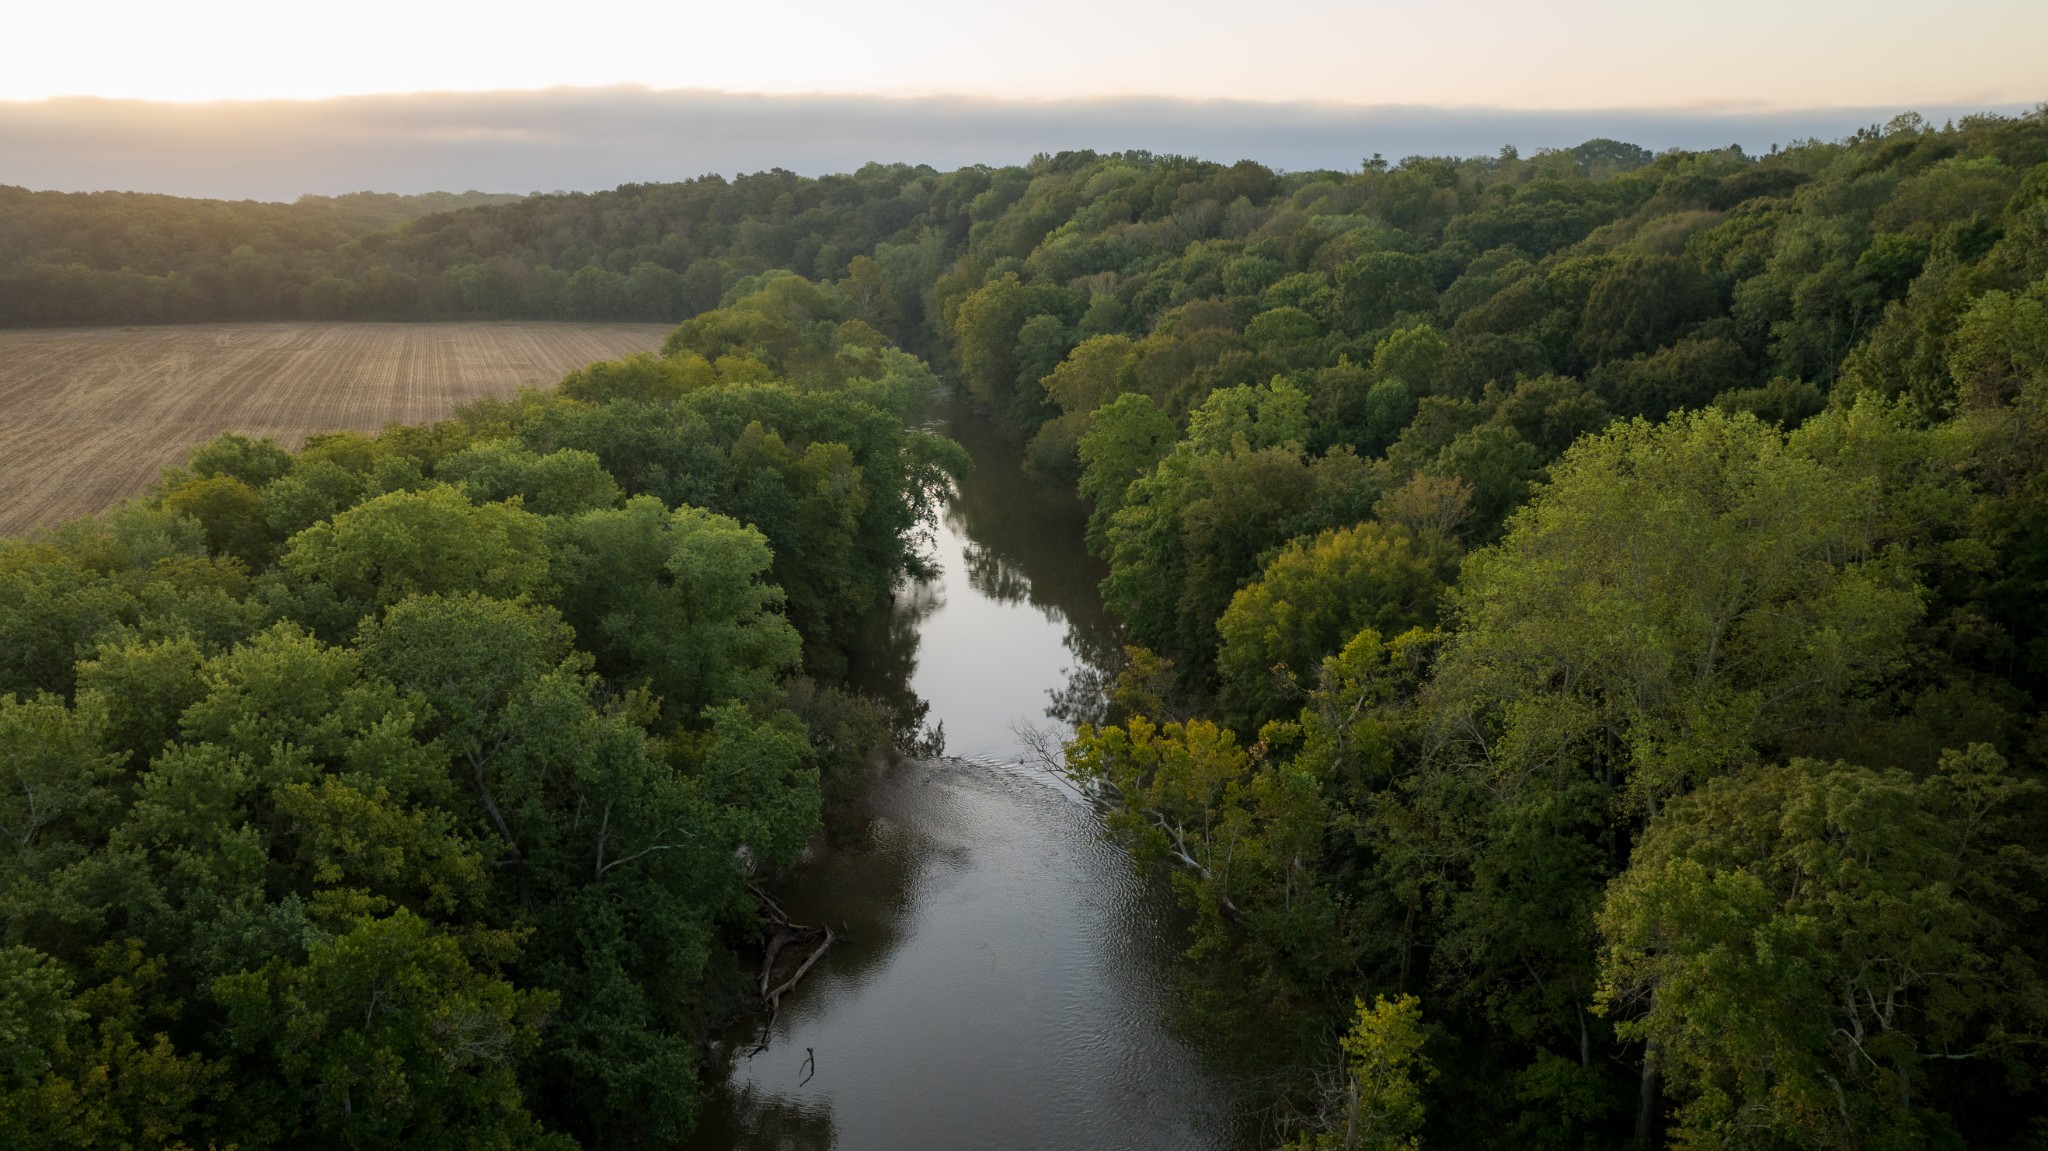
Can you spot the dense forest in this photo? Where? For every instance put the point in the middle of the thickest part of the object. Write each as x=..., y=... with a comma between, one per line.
x=1586, y=677
x=406, y=790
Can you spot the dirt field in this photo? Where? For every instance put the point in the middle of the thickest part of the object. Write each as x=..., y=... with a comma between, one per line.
x=88, y=415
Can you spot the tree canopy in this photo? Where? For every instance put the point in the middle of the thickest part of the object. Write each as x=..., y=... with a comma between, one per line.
x=407, y=790
x=1587, y=679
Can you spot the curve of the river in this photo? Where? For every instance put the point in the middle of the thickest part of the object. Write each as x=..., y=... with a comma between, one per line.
x=1003, y=979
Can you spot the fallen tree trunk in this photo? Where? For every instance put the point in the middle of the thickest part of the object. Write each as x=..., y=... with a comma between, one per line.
x=775, y=996
x=786, y=934
x=783, y=937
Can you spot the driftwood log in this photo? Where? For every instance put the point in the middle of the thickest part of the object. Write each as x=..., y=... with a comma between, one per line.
x=775, y=997
x=783, y=934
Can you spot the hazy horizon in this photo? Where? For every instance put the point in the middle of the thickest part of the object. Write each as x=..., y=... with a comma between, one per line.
x=587, y=139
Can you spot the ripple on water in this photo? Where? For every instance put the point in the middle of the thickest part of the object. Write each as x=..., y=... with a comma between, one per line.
x=1018, y=1004
x=1002, y=983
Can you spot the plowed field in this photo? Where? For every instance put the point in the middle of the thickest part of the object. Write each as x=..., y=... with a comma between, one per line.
x=89, y=415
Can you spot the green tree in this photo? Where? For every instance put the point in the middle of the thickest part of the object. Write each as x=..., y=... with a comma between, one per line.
x=873, y=295
x=1091, y=375
x=256, y=463
x=1387, y=1073
x=1307, y=603
x=1642, y=303
x=1812, y=951
x=647, y=379
x=144, y=686
x=388, y=1035
x=91, y=1067
x=555, y=484
x=1127, y=437
x=677, y=600
x=2000, y=343
x=986, y=330
x=52, y=611
x=1379, y=286
x=1412, y=356
x=57, y=787
x=1713, y=586
x=231, y=512
x=1196, y=527
x=415, y=543
x=1678, y=601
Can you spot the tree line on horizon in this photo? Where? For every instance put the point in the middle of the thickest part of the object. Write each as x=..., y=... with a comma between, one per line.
x=144, y=258
x=1587, y=662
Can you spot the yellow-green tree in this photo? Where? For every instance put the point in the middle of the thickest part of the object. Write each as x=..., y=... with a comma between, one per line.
x=1380, y=1108
x=1310, y=599
x=1812, y=950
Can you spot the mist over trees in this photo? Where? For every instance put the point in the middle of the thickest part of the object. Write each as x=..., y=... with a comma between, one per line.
x=1586, y=676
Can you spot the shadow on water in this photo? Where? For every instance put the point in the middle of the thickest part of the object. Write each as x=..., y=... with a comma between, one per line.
x=1002, y=977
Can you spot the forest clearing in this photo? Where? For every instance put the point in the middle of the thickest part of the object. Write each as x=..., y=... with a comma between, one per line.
x=89, y=415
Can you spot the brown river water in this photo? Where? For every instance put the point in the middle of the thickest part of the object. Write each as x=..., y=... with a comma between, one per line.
x=1003, y=981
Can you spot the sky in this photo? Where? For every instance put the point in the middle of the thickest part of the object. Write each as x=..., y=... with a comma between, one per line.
x=1496, y=53
x=233, y=97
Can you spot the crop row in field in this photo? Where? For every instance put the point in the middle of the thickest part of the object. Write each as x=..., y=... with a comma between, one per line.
x=88, y=416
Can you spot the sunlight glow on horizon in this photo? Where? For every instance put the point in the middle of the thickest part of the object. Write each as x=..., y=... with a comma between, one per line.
x=1748, y=54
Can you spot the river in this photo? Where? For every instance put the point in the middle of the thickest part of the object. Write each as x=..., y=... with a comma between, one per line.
x=1003, y=978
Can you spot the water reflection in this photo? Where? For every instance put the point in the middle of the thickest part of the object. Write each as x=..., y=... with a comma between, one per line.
x=1023, y=544
x=1002, y=980
x=1012, y=619
x=886, y=664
